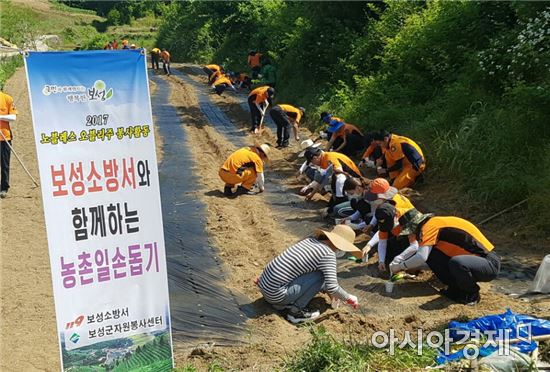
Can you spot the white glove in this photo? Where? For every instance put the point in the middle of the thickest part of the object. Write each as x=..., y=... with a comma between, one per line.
x=352, y=301
x=369, y=163
x=323, y=135
x=312, y=185
x=394, y=267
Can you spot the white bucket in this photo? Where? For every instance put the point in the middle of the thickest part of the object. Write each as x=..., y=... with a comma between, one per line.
x=389, y=286
x=541, y=283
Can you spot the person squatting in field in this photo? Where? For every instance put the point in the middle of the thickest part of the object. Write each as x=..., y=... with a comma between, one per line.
x=245, y=168
x=222, y=83
x=335, y=165
x=291, y=280
x=452, y=247
x=342, y=137
x=404, y=159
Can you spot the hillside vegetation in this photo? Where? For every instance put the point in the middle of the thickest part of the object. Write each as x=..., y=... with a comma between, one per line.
x=468, y=80
x=22, y=23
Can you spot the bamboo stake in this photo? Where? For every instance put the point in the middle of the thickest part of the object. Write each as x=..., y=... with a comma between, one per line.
x=503, y=211
x=533, y=338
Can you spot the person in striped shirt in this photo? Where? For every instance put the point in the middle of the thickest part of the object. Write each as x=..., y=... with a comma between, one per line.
x=291, y=280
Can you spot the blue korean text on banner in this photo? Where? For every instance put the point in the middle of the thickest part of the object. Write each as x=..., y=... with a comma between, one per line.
x=506, y=326
x=100, y=187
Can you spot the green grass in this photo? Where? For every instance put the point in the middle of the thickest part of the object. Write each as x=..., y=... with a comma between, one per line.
x=138, y=32
x=213, y=367
x=186, y=368
x=65, y=8
x=544, y=351
x=325, y=353
x=8, y=67
x=19, y=24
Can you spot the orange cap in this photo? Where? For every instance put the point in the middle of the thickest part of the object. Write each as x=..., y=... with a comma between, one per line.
x=379, y=186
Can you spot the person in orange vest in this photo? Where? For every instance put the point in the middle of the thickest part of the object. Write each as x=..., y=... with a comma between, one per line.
x=387, y=238
x=165, y=61
x=404, y=159
x=8, y=114
x=345, y=138
x=372, y=153
x=210, y=69
x=125, y=44
x=245, y=167
x=243, y=81
x=155, y=56
x=258, y=102
x=453, y=248
x=222, y=83
x=285, y=117
x=114, y=44
x=216, y=74
x=254, y=61
x=335, y=165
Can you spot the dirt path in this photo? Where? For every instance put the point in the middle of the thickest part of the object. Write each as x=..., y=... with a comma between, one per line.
x=28, y=340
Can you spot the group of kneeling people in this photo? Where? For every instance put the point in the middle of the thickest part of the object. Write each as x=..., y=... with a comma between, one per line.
x=406, y=239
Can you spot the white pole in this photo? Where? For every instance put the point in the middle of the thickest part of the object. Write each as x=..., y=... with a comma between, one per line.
x=20, y=161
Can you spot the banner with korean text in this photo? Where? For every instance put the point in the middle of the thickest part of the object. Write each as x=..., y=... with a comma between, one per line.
x=98, y=170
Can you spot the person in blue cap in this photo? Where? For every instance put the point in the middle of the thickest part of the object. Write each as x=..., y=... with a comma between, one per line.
x=344, y=138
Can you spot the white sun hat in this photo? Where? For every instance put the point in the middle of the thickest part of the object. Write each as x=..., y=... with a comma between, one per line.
x=306, y=144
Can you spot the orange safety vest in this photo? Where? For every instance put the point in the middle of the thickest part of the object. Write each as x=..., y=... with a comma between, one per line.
x=222, y=80
x=394, y=151
x=345, y=130
x=339, y=161
x=213, y=67
x=454, y=236
x=254, y=60
x=244, y=157
x=293, y=111
x=261, y=94
x=7, y=107
x=165, y=56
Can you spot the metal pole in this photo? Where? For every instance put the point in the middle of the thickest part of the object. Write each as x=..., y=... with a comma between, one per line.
x=19, y=159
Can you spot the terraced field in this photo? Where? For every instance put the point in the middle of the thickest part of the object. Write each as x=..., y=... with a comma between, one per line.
x=152, y=356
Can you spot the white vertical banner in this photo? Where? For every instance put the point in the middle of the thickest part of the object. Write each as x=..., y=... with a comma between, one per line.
x=100, y=186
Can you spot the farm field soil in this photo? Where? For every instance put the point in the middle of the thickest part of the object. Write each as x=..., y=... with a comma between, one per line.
x=248, y=232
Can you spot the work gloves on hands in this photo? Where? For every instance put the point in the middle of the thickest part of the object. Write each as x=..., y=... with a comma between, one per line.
x=367, y=163
x=352, y=301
